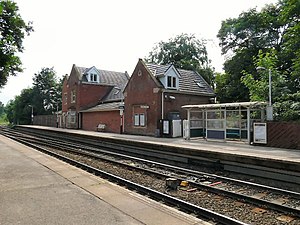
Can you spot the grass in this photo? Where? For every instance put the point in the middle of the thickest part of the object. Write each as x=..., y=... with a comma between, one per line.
x=3, y=120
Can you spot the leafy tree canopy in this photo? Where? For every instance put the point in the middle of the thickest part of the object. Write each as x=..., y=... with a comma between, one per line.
x=2, y=108
x=12, y=32
x=19, y=110
x=274, y=28
x=47, y=91
x=44, y=97
x=185, y=52
x=259, y=85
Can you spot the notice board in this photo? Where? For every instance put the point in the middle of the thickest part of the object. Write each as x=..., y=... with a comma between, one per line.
x=260, y=133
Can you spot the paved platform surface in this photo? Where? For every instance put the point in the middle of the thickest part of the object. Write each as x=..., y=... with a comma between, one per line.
x=235, y=148
x=37, y=189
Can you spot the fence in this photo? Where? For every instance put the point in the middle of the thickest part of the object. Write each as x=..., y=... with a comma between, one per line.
x=45, y=120
x=283, y=135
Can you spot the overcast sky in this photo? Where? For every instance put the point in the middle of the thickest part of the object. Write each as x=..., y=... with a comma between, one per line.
x=114, y=34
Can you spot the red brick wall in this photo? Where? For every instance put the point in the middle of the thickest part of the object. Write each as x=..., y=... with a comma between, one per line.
x=65, y=90
x=143, y=91
x=139, y=93
x=89, y=95
x=72, y=85
x=174, y=105
x=111, y=119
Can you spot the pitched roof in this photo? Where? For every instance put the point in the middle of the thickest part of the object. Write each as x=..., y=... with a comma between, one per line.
x=116, y=79
x=193, y=82
x=190, y=81
x=105, y=76
x=104, y=107
x=157, y=70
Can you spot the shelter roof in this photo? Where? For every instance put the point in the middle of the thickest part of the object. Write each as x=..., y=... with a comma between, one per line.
x=256, y=104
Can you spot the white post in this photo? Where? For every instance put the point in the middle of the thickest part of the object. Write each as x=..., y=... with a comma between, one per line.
x=248, y=125
x=269, y=107
x=188, y=124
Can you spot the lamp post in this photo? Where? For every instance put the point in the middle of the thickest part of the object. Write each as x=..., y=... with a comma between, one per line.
x=269, y=108
x=121, y=108
x=31, y=113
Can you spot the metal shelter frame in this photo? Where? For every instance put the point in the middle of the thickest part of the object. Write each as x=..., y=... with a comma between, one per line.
x=225, y=121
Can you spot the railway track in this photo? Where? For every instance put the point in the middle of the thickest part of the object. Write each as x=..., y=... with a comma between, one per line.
x=195, y=160
x=261, y=198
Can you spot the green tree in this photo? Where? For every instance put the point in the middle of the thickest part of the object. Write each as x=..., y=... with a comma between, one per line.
x=258, y=85
x=228, y=86
x=275, y=27
x=287, y=107
x=12, y=32
x=290, y=54
x=44, y=97
x=185, y=52
x=19, y=110
x=46, y=91
x=2, y=108
x=286, y=104
x=3, y=118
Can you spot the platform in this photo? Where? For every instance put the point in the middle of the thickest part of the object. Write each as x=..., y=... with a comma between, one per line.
x=222, y=149
x=38, y=189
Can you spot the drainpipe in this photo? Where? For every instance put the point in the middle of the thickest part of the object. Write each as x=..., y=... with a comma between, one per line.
x=162, y=104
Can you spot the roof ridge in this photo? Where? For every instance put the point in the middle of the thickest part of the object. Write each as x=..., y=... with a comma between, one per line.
x=88, y=68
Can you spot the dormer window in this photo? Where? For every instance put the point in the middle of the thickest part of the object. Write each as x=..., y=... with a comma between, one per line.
x=93, y=77
x=171, y=82
x=169, y=78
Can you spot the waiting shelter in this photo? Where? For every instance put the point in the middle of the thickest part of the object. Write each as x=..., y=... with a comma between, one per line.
x=226, y=121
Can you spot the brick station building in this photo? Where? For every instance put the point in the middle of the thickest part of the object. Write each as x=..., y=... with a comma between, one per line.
x=147, y=103
x=154, y=95
x=90, y=97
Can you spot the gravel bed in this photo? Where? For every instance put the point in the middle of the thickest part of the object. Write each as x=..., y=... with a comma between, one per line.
x=221, y=204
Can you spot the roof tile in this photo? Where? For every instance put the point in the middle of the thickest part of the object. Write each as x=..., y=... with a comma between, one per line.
x=190, y=81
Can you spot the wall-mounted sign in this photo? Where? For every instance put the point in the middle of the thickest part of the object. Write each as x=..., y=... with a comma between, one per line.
x=144, y=106
x=260, y=133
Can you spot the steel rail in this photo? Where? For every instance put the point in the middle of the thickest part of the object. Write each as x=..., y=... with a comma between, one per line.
x=198, y=173
x=201, y=212
x=241, y=197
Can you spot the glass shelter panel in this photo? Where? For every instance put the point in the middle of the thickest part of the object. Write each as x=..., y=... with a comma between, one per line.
x=215, y=124
x=233, y=124
x=197, y=124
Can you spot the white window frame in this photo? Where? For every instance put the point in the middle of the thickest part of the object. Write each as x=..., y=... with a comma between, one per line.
x=142, y=120
x=93, y=78
x=136, y=119
x=73, y=96
x=139, y=120
x=173, y=82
